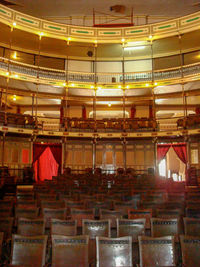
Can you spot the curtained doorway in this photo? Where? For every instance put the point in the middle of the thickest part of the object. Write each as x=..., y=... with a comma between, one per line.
x=47, y=161
x=172, y=161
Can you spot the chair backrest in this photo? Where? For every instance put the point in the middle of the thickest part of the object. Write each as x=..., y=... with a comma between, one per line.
x=49, y=214
x=168, y=213
x=6, y=211
x=30, y=227
x=94, y=228
x=157, y=251
x=192, y=226
x=6, y=224
x=28, y=212
x=133, y=228
x=1, y=242
x=63, y=227
x=165, y=227
x=56, y=204
x=28, y=251
x=190, y=250
x=80, y=214
x=192, y=212
x=123, y=206
x=138, y=214
x=70, y=251
x=112, y=215
x=114, y=252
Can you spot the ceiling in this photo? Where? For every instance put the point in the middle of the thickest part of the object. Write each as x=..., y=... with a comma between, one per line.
x=64, y=8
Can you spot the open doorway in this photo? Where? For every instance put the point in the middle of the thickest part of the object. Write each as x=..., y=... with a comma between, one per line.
x=172, y=160
x=47, y=160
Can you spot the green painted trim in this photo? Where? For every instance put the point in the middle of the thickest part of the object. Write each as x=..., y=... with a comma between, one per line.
x=136, y=31
x=164, y=27
x=109, y=33
x=3, y=11
x=190, y=20
x=27, y=20
x=82, y=31
x=55, y=28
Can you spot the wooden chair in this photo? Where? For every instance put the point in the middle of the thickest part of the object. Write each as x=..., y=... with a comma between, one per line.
x=70, y=251
x=112, y=215
x=49, y=214
x=52, y=204
x=30, y=227
x=94, y=228
x=28, y=212
x=114, y=252
x=139, y=214
x=190, y=248
x=6, y=225
x=165, y=227
x=168, y=213
x=28, y=251
x=63, y=227
x=80, y=214
x=157, y=251
x=192, y=226
x=133, y=228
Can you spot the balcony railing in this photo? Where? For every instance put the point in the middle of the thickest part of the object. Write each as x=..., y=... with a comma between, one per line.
x=61, y=76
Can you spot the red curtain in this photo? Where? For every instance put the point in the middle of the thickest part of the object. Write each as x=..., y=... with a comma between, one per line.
x=150, y=112
x=162, y=150
x=181, y=151
x=48, y=166
x=39, y=149
x=197, y=110
x=133, y=112
x=84, y=115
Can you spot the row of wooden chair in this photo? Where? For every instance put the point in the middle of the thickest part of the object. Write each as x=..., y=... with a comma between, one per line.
x=74, y=251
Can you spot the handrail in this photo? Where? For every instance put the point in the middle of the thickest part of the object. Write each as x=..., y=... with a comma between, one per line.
x=58, y=77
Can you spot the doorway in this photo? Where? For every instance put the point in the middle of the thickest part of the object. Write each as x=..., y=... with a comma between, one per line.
x=172, y=160
x=47, y=161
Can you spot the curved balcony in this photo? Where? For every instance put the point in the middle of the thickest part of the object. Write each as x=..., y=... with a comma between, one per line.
x=56, y=77
x=100, y=35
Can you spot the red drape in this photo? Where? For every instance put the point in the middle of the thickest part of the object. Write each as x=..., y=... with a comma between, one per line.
x=38, y=150
x=48, y=166
x=150, y=112
x=133, y=112
x=197, y=110
x=181, y=151
x=84, y=115
x=162, y=150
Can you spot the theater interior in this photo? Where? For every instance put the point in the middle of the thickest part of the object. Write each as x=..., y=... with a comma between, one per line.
x=99, y=133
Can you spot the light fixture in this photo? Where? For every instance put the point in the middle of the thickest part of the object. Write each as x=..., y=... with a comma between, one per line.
x=72, y=84
x=64, y=84
x=92, y=86
x=123, y=40
x=14, y=98
x=150, y=36
x=16, y=75
x=41, y=34
x=69, y=39
x=109, y=104
x=127, y=86
x=146, y=84
x=14, y=55
x=119, y=86
x=155, y=83
x=134, y=47
x=14, y=24
x=7, y=73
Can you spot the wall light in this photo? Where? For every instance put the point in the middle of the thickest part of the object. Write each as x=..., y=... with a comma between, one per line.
x=109, y=104
x=14, y=24
x=14, y=55
x=16, y=75
x=14, y=98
